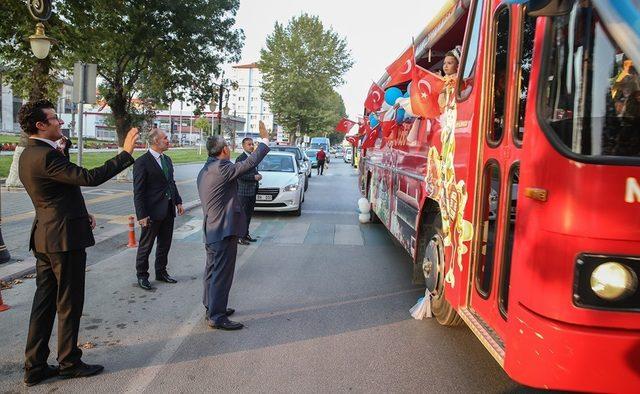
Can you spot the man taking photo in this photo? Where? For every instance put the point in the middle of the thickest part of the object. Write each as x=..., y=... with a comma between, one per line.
x=61, y=231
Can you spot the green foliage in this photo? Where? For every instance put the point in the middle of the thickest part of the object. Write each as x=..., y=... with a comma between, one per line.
x=203, y=124
x=301, y=64
x=154, y=50
x=29, y=77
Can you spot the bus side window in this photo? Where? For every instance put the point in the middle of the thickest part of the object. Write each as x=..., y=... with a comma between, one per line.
x=465, y=83
x=526, y=58
x=502, y=28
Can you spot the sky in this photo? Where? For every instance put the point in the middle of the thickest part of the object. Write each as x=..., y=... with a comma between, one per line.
x=376, y=31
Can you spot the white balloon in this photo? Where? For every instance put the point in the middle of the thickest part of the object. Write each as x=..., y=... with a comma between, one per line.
x=364, y=217
x=363, y=205
x=385, y=106
x=405, y=103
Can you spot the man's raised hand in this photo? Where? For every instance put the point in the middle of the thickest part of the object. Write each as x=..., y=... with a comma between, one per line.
x=130, y=140
x=264, y=133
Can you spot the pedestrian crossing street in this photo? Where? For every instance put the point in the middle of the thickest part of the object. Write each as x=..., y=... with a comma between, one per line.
x=294, y=232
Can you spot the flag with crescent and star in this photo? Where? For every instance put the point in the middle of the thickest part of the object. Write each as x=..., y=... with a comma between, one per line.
x=388, y=122
x=400, y=70
x=375, y=98
x=370, y=136
x=425, y=88
x=353, y=140
x=344, y=125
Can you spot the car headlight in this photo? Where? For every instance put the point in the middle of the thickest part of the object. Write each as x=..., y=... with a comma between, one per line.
x=291, y=188
x=613, y=281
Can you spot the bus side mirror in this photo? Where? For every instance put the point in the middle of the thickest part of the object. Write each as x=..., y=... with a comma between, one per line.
x=549, y=7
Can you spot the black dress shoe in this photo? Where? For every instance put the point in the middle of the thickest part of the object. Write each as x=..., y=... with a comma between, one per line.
x=165, y=278
x=80, y=370
x=33, y=378
x=228, y=312
x=144, y=283
x=243, y=241
x=250, y=239
x=225, y=325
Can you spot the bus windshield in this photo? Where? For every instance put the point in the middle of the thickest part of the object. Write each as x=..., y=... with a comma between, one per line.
x=591, y=93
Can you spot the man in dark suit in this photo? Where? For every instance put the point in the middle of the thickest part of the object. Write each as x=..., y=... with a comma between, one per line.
x=61, y=231
x=248, y=188
x=224, y=221
x=156, y=199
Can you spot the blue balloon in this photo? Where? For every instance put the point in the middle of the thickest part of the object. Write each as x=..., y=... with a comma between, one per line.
x=391, y=95
x=407, y=94
x=373, y=121
x=400, y=113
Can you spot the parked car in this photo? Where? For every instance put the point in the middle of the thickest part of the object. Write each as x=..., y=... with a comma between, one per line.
x=311, y=154
x=339, y=152
x=301, y=157
x=282, y=185
x=348, y=155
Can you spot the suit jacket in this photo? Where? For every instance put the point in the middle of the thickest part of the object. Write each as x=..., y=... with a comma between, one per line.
x=247, y=184
x=152, y=190
x=218, y=190
x=53, y=184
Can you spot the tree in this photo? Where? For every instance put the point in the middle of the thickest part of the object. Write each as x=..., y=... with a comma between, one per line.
x=301, y=64
x=203, y=124
x=153, y=49
x=30, y=78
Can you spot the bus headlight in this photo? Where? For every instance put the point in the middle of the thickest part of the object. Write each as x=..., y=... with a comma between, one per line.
x=613, y=281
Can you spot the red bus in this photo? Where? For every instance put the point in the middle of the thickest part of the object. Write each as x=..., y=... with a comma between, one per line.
x=520, y=205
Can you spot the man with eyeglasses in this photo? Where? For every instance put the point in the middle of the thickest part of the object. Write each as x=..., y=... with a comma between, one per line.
x=61, y=231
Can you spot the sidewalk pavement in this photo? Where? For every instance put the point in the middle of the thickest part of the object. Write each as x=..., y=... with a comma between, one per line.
x=111, y=204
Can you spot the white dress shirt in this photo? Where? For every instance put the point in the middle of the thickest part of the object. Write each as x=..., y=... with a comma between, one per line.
x=53, y=144
x=156, y=156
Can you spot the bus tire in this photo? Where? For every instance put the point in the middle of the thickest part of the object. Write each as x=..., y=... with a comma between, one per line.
x=433, y=266
x=374, y=218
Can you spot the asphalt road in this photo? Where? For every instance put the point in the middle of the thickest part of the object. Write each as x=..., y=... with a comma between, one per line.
x=325, y=301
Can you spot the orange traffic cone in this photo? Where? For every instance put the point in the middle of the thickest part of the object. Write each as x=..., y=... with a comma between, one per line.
x=3, y=306
x=132, y=234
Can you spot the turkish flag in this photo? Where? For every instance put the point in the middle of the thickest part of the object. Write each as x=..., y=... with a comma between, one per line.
x=400, y=70
x=353, y=140
x=375, y=98
x=425, y=88
x=345, y=125
x=388, y=121
x=370, y=137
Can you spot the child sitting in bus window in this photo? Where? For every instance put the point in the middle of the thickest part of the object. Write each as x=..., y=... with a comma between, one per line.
x=450, y=68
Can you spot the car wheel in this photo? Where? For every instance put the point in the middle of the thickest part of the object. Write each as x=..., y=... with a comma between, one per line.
x=298, y=211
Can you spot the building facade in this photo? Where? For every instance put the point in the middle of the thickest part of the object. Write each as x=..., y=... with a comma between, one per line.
x=246, y=101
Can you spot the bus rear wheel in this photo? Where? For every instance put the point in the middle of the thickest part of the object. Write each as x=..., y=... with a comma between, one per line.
x=434, y=269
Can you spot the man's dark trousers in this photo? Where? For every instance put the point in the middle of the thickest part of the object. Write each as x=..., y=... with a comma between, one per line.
x=163, y=230
x=218, y=276
x=320, y=167
x=248, y=204
x=60, y=287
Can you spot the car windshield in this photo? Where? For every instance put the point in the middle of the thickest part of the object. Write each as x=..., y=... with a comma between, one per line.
x=277, y=163
x=312, y=153
x=295, y=151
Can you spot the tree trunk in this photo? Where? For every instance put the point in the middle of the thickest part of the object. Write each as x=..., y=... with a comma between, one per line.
x=40, y=75
x=123, y=123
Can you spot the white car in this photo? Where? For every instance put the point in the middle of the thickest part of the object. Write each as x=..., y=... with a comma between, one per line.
x=282, y=185
x=348, y=155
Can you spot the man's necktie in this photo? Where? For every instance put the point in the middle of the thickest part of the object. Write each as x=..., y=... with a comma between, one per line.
x=165, y=166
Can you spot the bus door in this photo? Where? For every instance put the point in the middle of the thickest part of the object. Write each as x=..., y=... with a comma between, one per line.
x=508, y=69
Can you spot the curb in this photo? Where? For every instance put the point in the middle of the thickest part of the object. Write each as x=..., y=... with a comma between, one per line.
x=188, y=206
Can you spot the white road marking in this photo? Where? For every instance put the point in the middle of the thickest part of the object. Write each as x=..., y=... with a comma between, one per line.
x=189, y=228
x=145, y=377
